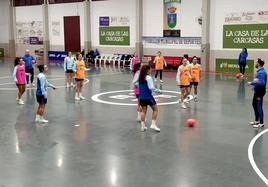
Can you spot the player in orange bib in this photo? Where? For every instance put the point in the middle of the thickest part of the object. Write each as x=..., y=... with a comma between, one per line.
x=195, y=71
x=159, y=66
x=183, y=80
x=79, y=76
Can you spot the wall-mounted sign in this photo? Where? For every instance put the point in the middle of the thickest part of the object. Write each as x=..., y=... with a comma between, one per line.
x=253, y=36
x=104, y=21
x=172, y=15
x=114, y=36
x=231, y=66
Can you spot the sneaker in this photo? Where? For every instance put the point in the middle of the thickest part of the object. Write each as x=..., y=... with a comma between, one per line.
x=180, y=101
x=67, y=85
x=42, y=120
x=21, y=102
x=155, y=80
x=37, y=119
x=77, y=98
x=183, y=105
x=161, y=81
x=195, y=99
x=143, y=128
x=154, y=127
x=82, y=98
x=17, y=99
x=258, y=125
x=254, y=123
x=72, y=84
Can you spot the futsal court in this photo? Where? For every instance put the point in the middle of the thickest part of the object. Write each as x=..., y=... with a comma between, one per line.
x=88, y=143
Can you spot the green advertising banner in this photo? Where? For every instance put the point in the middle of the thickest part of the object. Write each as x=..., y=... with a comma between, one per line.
x=1, y=52
x=254, y=36
x=231, y=66
x=114, y=36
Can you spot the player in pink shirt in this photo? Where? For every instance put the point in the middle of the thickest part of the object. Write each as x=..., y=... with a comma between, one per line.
x=19, y=76
x=136, y=71
x=134, y=61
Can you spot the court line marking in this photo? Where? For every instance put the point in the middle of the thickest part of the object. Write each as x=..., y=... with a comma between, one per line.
x=86, y=81
x=251, y=157
x=96, y=98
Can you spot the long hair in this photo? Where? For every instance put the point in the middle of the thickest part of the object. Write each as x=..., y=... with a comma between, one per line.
x=144, y=72
x=136, y=67
x=16, y=61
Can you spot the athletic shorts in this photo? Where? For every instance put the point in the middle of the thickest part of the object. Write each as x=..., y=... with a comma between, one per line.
x=76, y=79
x=146, y=102
x=195, y=84
x=184, y=86
x=69, y=71
x=20, y=85
x=41, y=99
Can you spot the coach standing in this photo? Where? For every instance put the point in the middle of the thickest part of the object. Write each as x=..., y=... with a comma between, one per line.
x=29, y=60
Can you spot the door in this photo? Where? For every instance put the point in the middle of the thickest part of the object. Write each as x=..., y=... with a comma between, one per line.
x=72, y=33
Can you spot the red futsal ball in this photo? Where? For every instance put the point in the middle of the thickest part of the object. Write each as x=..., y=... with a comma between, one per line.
x=191, y=122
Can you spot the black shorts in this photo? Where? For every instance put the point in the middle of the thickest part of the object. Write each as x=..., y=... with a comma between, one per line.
x=146, y=102
x=184, y=86
x=41, y=99
x=76, y=79
x=69, y=71
x=137, y=96
x=195, y=84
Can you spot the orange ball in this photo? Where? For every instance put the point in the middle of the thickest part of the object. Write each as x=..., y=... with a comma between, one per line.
x=191, y=122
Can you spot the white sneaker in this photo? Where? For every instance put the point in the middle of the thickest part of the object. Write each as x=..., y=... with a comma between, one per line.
x=183, y=105
x=17, y=99
x=254, y=123
x=143, y=128
x=42, y=120
x=161, y=81
x=37, y=119
x=82, y=98
x=72, y=84
x=77, y=98
x=154, y=127
x=195, y=99
x=258, y=125
x=67, y=85
x=21, y=102
x=155, y=80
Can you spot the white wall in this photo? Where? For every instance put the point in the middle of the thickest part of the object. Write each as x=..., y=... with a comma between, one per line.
x=4, y=21
x=113, y=8
x=56, y=12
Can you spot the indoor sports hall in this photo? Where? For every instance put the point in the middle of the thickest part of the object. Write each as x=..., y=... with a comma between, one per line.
x=133, y=93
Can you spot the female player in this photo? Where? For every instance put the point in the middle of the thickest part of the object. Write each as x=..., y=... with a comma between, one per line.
x=19, y=76
x=69, y=67
x=79, y=76
x=41, y=93
x=183, y=79
x=134, y=61
x=146, y=87
x=195, y=71
x=159, y=65
x=242, y=61
x=136, y=72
